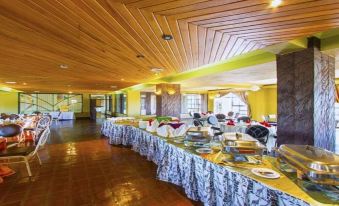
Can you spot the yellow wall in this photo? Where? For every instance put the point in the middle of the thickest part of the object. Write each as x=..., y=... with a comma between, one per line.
x=263, y=102
x=133, y=103
x=8, y=102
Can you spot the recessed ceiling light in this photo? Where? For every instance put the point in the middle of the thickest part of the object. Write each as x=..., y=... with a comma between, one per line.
x=70, y=92
x=69, y=85
x=10, y=82
x=24, y=83
x=113, y=87
x=167, y=37
x=122, y=79
x=276, y=3
x=36, y=91
x=63, y=66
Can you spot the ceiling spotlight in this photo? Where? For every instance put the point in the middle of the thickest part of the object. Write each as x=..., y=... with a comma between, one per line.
x=10, y=82
x=63, y=66
x=167, y=37
x=122, y=79
x=36, y=91
x=276, y=3
x=113, y=87
x=24, y=83
x=140, y=56
x=70, y=92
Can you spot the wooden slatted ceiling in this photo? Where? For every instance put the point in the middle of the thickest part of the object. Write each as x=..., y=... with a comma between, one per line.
x=99, y=39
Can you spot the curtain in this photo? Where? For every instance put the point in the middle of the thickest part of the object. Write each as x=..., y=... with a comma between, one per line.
x=337, y=93
x=204, y=106
x=243, y=97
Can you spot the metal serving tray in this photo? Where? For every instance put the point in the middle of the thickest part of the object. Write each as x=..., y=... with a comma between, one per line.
x=316, y=164
x=197, y=134
x=237, y=144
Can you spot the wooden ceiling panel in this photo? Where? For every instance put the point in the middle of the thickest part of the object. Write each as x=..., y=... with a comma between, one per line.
x=100, y=39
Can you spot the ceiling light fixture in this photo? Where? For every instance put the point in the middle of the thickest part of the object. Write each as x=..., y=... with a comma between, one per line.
x=70, y=92
x=24, y=83
x=157, y=71
x=63, y=66
x=113, y=87
x=140, y=56
x=276, y=3
x=255, y=88
x=122, y=79
x=167, y=37
x=10, y=82
x=36, y=91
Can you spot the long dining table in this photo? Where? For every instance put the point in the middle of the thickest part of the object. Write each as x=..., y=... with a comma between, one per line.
x=206, y=180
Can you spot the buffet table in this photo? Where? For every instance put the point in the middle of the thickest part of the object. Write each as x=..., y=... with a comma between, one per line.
x=63, y=115
x=202, y=178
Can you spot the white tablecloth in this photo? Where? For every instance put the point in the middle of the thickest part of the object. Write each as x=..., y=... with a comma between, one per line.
x=63, y=115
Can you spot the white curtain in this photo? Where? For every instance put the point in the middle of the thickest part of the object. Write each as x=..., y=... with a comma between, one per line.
x=243, y=97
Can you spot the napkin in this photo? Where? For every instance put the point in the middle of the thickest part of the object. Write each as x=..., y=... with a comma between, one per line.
x=162, y=131
x=178, y=131
x=5, y=171
x=231, y=123
x=266, y=124
x=153, y=127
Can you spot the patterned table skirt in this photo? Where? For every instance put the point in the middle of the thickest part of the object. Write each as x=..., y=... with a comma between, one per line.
x=201, y=179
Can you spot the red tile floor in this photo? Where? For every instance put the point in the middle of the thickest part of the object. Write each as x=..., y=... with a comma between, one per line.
x=80, y=168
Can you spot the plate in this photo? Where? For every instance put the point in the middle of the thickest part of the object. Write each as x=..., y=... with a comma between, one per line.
x=204, y=150
x=178, y=141
x=266, y=173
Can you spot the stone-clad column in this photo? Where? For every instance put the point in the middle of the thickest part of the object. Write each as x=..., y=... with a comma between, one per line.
x=306, y=97
x=168, y=100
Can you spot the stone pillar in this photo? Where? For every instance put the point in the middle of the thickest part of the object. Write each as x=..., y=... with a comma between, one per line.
x=168, y=100
x=306, y=97
x=148, y=103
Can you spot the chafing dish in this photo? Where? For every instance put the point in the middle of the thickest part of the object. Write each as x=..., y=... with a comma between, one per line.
x=241, y=145
x=312, y=163
x=197, y=134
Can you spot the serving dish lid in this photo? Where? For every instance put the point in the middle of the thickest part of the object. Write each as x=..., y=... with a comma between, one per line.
x=241, y=141
x=311, y=158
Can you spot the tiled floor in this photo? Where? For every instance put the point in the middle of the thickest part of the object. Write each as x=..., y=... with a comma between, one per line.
x=84, y=170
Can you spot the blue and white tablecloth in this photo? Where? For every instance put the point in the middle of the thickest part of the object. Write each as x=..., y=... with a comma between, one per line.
x=201, y=179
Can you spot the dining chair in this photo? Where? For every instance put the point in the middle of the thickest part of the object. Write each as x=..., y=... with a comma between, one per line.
x=213, y=121
x=259, y=133
x=14, y=116
x=197, y=123
x=56, y=119
x=16, y=155
x=244, y=119
x=12, y=132
x=221, y=117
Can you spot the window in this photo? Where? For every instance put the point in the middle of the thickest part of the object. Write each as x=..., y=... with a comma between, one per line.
x=191, y=103
x=228, y=103
x=44, y=103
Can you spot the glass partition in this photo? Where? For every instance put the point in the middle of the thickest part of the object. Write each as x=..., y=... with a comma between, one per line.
x=44, y=103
